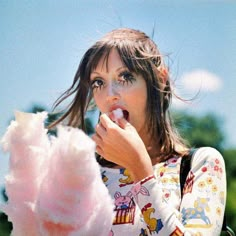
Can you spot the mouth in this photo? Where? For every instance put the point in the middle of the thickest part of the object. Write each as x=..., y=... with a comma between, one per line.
x=120, y=113
x=126, y=114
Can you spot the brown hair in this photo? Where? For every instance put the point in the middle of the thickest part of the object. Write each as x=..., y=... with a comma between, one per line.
x=141, y=56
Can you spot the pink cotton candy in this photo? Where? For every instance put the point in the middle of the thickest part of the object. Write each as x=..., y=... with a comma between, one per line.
x=54, y=187
x=28, y=145
x=118, y=114
x=72, y=191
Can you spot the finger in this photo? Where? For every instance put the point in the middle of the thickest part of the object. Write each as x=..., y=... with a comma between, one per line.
x=106, y=121
x=97, y=139
x=99, y=151
x=99, y=144
x=120, y=121
x=100, y=130
x=124, y=124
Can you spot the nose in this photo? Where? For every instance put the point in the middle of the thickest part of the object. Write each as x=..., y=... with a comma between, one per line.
x=112, y=92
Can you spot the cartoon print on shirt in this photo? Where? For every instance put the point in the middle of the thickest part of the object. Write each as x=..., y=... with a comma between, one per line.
x=197, y=221
x=143, y=232
x=196, y=213
x=169, y=179
x=172, y=162
x=122, y=202
x=213, y=168
x=104, y=177
x=139, y=189
x=188, y=186
x=205, y=185
x=166, y=193
x=217, y=168
x=202, y=186
x=214, y=189
x=177, y=232
x=154, y=225
x=222, y=197
x=208, y=186
x=127, y=180
x=124, y=208
x=169, y=167
x=219, y=211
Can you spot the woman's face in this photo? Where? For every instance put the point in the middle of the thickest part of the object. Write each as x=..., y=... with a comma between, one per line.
x=114, y=86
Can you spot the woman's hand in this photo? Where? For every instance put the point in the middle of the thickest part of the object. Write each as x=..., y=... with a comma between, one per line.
x=121, y=144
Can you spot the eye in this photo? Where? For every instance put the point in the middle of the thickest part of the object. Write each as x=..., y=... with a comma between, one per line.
x=97, y=83
x=126, y=77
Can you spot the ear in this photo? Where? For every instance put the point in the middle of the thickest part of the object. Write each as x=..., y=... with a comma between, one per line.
x=163, y=74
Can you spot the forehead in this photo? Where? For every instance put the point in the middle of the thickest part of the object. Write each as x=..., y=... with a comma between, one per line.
x=108, y=61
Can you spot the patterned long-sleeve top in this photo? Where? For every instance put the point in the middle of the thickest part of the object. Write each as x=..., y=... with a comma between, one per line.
x=154, y=205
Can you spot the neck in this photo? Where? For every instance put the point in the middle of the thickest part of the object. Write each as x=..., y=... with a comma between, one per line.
x=152, y=147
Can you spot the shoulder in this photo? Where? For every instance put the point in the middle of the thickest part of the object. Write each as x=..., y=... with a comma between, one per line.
x=207, y=156
x=206, y=153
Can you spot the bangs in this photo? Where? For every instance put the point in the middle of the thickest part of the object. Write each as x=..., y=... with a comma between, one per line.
x=100, y=53
x=133, y=57
x=130, y=56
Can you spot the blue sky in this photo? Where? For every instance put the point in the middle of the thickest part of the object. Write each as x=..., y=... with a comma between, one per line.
x=41, y=43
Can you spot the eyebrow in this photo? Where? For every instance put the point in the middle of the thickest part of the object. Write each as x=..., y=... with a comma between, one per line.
x=95, y=72
x=117, y=70
x=121, y=68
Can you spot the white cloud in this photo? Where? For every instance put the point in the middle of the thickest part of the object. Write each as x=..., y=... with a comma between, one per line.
x=201, y=80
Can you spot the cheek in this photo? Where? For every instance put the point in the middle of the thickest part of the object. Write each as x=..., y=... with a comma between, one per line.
x=99, y=100
x=137, y=106
x=139, y=98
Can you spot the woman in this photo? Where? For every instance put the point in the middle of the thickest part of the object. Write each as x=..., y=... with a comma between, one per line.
x=140, y=151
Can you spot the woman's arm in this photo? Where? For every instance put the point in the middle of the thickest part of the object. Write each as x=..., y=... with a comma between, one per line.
x=202, y=207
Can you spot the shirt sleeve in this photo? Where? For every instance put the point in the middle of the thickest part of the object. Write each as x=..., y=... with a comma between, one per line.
x=202, y=207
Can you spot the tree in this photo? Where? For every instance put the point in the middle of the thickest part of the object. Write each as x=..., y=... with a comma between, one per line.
x=200, y=131
x=230, y=162
x=5, y=225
